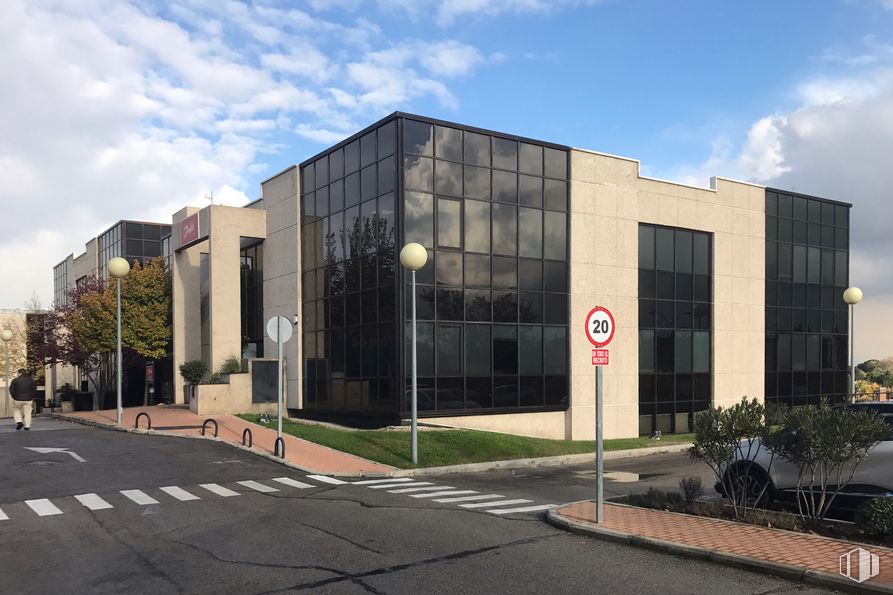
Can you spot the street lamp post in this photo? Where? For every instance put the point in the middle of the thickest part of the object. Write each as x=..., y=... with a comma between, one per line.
x=413, y=257
x=6, y=336
x=852, y=296
x=118, y=268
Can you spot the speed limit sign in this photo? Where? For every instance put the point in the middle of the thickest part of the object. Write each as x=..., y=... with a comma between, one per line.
x=599, y=326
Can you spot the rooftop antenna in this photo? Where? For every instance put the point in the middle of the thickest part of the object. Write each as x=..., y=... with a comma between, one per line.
x=210, y=196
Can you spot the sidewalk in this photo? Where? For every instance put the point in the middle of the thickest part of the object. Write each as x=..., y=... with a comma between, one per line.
x=169, y=419
x=797, y=556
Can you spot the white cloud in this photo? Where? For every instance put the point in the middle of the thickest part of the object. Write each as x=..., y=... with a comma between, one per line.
x=836, y=144
x=449, y=11
x=131, y=110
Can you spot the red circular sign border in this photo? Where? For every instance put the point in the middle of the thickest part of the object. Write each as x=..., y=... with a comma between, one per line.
x=613, y=326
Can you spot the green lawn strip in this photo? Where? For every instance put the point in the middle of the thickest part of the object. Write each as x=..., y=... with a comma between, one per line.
x=450, y=447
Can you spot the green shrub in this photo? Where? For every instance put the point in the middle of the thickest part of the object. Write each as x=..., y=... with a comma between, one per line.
x=692, y=488
x=215, y=378
x=193, y=371
x=232, y=365
x=877, y=517
x=657, y=499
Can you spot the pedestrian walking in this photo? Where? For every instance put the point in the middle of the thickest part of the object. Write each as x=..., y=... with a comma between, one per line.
x=23, y=390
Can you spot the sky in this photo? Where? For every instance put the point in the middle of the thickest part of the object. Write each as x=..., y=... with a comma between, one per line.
x=131, y=109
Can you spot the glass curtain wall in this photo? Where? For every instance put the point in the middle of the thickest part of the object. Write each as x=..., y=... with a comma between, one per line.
x=675, y=323
x=492, y=301
x=251, y=285
x=807, y=271
x=348, y=287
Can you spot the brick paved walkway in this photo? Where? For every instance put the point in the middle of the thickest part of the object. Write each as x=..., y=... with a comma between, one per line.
x=309, y=456
x=810, y=552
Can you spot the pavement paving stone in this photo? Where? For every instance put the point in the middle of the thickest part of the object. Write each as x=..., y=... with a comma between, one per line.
x=312, y=457
x=809, y=552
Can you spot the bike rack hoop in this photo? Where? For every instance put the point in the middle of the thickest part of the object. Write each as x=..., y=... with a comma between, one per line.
x=205, y=426
x=136, y=423
x=247, y=432
x=279, y=441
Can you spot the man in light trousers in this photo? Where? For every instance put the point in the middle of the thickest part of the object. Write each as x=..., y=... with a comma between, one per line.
x=23, y=390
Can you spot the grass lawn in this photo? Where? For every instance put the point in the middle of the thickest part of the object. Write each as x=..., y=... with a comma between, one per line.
x=450, y=447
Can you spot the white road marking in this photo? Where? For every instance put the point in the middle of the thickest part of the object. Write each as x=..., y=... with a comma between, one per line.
x=326, y=479
x=288, y=481
x=93, y=502
x=45, y=450
x=469, y=498
x=139, y=497
x=43, y=507
x=257, y=486
x=374, y=481
x=179, y=493
x=523, y=509
x=3, y=516
x=428, y=489
x=383, y=486
x=500, y=503
x=446, y=493
x=219, y=490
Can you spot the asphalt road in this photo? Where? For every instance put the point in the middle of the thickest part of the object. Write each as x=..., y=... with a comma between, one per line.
x=314, y=537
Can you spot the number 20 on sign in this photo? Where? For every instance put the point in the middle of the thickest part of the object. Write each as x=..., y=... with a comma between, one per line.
x=600, y=332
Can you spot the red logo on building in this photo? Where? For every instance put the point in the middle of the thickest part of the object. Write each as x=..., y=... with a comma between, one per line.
x=189, y=229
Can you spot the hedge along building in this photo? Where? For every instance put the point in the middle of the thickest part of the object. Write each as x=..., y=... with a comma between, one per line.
x=524, y=238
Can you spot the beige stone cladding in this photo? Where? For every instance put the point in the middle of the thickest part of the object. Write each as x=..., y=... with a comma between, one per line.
x=282, y=265
x=224, y=227
x=608, y=201
x=539, y=425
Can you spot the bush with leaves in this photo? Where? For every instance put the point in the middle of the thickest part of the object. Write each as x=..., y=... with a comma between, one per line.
x=692, y=488
x=825, y=444
x=193, y=371
x=877, y=518
x=728, y=440
x=232, y=365
x=215, y=378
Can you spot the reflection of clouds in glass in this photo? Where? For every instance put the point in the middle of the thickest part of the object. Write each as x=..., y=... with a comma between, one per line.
x=505, y=229
x=477, y=148
x=418, y=173
x=505, y=154
x=418, y=137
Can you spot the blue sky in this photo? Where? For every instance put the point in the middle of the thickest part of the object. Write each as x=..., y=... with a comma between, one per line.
x=132, y=109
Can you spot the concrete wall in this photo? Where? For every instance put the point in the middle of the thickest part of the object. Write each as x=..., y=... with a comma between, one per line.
x=228, y=398
x=224, y=227
x=608, y=201
x=282, y=271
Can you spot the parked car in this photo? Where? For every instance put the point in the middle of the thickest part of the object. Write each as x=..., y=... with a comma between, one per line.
x=873, y=477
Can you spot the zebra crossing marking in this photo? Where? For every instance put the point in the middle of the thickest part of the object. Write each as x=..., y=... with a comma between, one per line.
x=179, y=493
x=257, y=486
x=43, y=507
x=219, y=490
x=140, y=497
x=93, y=501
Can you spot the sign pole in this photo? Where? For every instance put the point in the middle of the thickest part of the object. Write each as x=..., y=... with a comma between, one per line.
x=599, y=450
x=599, y=330
x=279, y=377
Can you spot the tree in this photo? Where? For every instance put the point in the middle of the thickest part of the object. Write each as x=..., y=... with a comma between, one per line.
x=728, y=440
x=826, y=445
x=83, y=332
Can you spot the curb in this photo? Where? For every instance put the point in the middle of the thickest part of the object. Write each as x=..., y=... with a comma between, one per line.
x=260, y=453
x=554, y=461
x=785, y=571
